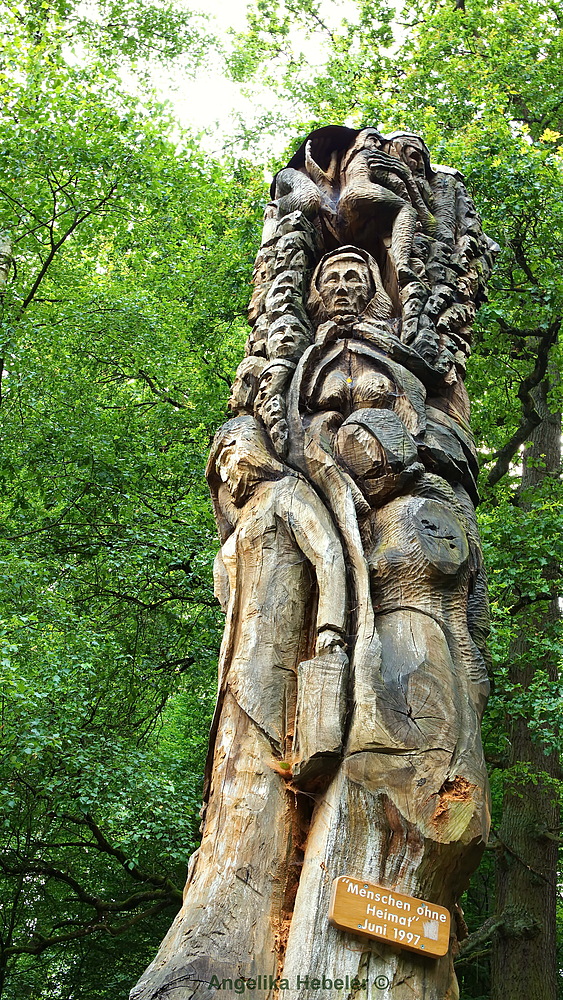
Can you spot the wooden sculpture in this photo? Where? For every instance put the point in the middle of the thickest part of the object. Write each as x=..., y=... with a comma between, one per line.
x=352, y=677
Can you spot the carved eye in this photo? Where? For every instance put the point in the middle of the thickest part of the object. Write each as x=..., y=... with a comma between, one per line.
x=352, y=277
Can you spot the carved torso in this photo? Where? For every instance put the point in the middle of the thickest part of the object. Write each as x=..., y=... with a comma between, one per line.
x=352, y=672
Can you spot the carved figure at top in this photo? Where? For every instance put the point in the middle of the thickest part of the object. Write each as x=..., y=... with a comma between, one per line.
x=382, y=194
x=344, y=284
x=352, y=674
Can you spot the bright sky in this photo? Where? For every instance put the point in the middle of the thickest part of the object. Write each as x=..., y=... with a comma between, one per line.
x=207, y=102
x=210, y=96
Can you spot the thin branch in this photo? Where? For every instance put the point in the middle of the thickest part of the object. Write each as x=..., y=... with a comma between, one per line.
x=119, y=855
x=151, y=381
x=169, y=892
x=526, y=600
x=530, y=416
x=504, y=846
x=42, y=942
x=78, y=220
x=482, y=936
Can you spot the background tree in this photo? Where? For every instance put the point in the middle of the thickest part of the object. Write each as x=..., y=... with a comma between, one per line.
x=481, y=81
x=117, y=354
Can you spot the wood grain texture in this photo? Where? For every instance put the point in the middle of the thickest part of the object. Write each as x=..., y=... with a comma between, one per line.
x=352, y=674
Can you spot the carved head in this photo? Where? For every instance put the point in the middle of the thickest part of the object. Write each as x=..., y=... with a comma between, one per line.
x=413, y=151
x=273, y=380
x=367, y=138
x=285, y=294
x=241, y=457
x=344, y=284
x=245, y=385
x=288, y=338
x=261, y=279
x=258, y=337
x=290, y=258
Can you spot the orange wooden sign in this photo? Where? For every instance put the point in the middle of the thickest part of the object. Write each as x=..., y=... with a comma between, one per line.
x=366, y=908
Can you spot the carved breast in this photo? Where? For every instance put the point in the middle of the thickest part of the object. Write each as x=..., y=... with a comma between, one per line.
x=427, y=541
x=352, y=385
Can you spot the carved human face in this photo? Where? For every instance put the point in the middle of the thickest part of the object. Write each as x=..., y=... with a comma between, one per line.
x=412, y=156
x=290, y=258
x=272, y=382
x=273, y=410
x=412, y=151
x=263, y=272
x=438, y=301
x=369, y=138
x=287, y=339
x=284, y=293
x=464, y=289
x=245, y=385
x=345, y=287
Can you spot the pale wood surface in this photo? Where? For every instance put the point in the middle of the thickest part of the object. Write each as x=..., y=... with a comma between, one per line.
x=352, y=674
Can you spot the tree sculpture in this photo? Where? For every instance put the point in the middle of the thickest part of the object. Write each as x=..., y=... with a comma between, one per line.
x=346, y=739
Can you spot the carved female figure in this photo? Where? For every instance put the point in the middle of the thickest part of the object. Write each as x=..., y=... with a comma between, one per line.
x=353, y=449
x=412, y=783
x=280, y=576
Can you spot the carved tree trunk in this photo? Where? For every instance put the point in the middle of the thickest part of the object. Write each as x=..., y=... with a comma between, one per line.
x=528, y=837
x=352, y=676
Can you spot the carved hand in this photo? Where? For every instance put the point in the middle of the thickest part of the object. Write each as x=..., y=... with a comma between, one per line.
x=383, y=161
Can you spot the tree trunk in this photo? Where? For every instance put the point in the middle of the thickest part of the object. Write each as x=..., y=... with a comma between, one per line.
x=346, y=739
x=524, y=944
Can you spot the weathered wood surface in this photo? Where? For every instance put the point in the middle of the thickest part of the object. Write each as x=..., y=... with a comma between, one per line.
x=352, y=674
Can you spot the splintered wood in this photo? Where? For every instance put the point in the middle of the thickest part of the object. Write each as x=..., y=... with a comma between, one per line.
x=352, y=674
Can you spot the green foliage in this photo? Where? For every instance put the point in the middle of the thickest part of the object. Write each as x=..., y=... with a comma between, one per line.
x=117, y=354
x=121, y=326
x=480, y=80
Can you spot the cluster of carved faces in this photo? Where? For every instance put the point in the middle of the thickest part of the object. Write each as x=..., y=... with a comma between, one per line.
x=295, y=305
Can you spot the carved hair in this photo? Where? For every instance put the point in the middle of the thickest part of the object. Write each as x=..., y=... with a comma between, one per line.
x=380, y=305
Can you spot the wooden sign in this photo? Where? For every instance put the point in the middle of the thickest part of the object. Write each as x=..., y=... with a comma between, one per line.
x=366, y=908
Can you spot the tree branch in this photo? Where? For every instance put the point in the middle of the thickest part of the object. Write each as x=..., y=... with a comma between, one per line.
x=161, y=393
x=526, y=599
x=55, y=246
x=530, y=416
x=167, y=892
x=511, y=923
x=42, y=942
x=115, y=852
